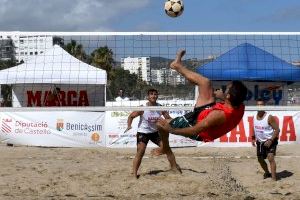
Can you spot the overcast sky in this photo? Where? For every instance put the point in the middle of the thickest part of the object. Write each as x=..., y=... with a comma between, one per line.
x=148, y=15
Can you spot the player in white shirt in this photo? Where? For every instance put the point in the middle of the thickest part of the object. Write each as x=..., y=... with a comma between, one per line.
x=266, y=133
x=147, y=129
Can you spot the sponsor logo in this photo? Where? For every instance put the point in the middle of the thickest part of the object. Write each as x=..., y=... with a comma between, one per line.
x=83, y=127
x=6, y=125
x=113, y=135
x=269, y=93
x=95, y=137
x=27, y=127
x=119, y=114
x=64, y=98
x=59, y=124
x=241, y=134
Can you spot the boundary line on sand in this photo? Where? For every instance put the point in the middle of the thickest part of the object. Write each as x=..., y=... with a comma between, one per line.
x=210, y=157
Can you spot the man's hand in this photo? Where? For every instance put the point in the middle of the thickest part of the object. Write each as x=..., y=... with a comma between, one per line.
x=253, y=143
x=127, y=129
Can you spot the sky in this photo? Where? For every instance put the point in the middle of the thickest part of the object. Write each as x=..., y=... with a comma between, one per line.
x=148, y=15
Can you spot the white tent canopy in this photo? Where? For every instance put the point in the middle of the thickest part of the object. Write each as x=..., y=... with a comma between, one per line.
x=55, y=66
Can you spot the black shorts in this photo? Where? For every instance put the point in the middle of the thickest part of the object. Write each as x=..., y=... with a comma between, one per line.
x=263, y=151
x=145, y=137
x=189, y=119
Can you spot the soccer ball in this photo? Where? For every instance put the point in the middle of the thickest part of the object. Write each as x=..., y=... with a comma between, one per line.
x=174, y=8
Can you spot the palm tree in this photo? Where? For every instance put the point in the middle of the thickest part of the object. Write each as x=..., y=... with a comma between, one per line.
x=58, y=40
x=76, y=50
x=103, y=58
x=6, y=90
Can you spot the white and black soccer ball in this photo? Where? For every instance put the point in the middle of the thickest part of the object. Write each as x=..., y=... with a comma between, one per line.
x=174, y=8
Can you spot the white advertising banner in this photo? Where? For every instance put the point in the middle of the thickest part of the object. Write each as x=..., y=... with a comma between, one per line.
x=289, y=124
x=53, y=129
x=116, y=124
x=94, y=129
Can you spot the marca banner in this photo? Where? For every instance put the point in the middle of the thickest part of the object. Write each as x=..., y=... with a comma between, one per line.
x=37, y=95
x=116, y=124
x=53, y=129
x=289, y=124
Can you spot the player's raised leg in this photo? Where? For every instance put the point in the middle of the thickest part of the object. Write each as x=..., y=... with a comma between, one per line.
x=205, y=95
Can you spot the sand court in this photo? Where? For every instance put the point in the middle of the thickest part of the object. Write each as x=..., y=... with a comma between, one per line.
x=104, y=173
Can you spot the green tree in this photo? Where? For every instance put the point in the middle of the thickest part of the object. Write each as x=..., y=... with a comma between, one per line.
x=121, y=78
x=76, y=50
x=4, y=64
x=6, y=92
x=6, y=89
x=58, y=40
x=103, y=58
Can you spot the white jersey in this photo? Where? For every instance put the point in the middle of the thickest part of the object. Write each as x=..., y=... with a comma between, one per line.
x=148, y=119
x=262, y=130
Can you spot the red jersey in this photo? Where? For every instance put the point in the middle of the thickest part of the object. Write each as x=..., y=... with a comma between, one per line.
x=232, y=117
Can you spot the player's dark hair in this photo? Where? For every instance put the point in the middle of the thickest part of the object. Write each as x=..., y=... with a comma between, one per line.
x=260, y=99
x=152, y=90
x=238, y=93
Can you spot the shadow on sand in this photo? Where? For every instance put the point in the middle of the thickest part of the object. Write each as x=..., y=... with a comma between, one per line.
x=155, y=172
x=284, y=174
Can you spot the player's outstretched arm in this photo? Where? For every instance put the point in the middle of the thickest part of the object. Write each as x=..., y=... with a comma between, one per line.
x=130, y=118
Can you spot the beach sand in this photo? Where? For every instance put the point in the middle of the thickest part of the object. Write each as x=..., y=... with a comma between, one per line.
x=103, y=173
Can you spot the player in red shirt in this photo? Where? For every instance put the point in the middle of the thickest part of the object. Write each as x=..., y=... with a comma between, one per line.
x=209, y=120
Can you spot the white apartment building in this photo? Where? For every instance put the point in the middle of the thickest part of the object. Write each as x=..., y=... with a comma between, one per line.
x=29, y=46
x=159, y=76
x=175, y=78
x=139, y=66
x=167, y=76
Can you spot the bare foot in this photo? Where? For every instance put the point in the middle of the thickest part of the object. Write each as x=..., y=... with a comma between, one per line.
x=135, y=175
x=157, y=152
x=177, y=62
x=176, y=169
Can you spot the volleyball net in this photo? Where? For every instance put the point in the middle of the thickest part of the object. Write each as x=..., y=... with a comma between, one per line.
x=112, y=69
x=78, y=89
